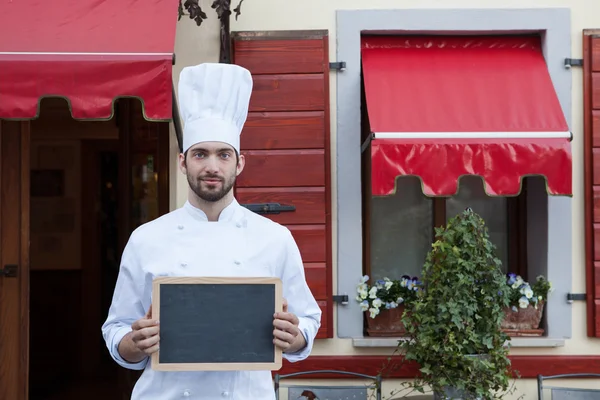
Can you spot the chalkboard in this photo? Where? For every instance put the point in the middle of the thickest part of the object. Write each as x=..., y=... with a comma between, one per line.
x=216, y=324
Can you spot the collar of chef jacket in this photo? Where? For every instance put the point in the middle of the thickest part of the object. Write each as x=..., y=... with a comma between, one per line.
x=230, y=213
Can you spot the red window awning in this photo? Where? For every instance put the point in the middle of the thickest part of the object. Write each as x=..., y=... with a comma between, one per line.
x=440, y=107
x=89, y=52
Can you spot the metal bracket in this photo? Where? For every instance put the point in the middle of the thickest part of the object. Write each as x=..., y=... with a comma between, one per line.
x=340, y=66
x=341, y=298
x=573, y=62
x=576, y=297
x=268, y=208
x=9, y=271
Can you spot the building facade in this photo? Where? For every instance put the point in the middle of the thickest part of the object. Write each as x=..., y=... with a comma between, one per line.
x=322, y=86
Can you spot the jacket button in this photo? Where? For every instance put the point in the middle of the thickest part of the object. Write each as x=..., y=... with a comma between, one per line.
x=180, y=227
x=237, y=262
x=239, y=224
x=186, y=393
x=225, y=394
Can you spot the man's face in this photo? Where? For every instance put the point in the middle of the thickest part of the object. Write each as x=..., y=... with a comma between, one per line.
x=211, y=169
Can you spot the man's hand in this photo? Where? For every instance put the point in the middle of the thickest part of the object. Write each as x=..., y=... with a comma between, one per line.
x=286, y=334
x=142, y=341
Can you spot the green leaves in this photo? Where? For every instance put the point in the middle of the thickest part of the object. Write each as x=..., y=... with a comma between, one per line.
x=455, y=323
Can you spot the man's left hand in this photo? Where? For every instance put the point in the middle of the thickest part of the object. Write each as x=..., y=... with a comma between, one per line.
x=286, y=334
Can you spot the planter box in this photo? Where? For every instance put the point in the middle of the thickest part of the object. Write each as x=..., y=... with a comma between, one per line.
x=388, y=323
x=524, y=321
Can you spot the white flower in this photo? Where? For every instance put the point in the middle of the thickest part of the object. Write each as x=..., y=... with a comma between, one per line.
x=403, y=282
x=373, y=292
x=523, y=302
x=393, y=304
x=373, y=312
x=540, y=298
x=377, y=303
x=362, y=287
x=518, y=282
x=527, y=292
x=363, y=294
x=364, y=306
x=515, y=309
x=364, y=279
x=400, y=300
x=388, y=284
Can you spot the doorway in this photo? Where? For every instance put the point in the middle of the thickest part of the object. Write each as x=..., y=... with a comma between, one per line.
x=91, y=184
x=74, y=264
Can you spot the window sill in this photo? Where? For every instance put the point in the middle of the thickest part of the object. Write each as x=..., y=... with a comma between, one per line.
x=515, y=342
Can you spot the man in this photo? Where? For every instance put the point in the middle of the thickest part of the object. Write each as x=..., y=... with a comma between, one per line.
x=211, y=235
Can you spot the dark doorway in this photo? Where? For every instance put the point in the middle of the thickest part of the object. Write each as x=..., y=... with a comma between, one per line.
x=69, y=303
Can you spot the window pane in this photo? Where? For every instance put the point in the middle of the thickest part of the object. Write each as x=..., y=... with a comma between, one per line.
x=401, y=231
x=492, y=209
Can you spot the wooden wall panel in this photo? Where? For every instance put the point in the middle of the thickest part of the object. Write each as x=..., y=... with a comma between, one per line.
x=316, y=276
x=286, y=143
x=284, y=130
x=311, y=242
x=596, y=128
x=595, y=54
x=285, y=168
x=309, y=203
x=280, y=56
x=326, y=310
x=591, y=101
x=289, y=93
x=596, y=90
x=597, y=274
x=596, y=194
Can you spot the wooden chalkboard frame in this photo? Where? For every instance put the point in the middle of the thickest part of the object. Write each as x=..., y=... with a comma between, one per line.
x=155, y=360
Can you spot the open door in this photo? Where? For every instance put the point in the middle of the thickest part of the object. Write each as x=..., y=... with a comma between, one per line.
x=14, y=257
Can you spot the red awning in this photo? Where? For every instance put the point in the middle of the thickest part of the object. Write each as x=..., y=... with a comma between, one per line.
x=441, y=107
x=89, y=52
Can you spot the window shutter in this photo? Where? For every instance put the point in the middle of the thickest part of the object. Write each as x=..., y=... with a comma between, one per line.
x=286, y=142
x=591, y=53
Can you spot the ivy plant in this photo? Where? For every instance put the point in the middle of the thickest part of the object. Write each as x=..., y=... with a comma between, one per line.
x=454, y=327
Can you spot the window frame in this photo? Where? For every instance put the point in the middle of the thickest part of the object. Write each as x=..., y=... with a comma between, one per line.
x=549, y=222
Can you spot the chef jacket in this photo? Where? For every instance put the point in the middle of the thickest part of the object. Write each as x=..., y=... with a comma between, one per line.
x=184, y=243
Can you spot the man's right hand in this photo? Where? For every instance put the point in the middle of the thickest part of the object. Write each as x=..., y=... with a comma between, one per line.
x=142, y=341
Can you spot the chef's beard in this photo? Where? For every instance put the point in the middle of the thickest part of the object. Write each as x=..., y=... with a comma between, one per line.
x=213, y=194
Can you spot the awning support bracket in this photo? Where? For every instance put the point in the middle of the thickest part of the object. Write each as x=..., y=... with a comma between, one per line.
x=366, y=143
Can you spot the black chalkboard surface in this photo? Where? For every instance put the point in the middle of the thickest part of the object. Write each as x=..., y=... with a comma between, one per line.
x=216, y=324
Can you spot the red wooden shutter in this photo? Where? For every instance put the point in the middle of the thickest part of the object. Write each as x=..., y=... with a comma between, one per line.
x=591, y=52
x=286, y=142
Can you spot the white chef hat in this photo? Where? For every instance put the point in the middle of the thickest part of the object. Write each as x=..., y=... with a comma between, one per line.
x=214, y=100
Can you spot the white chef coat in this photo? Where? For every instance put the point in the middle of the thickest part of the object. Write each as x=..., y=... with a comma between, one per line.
x=184, y=243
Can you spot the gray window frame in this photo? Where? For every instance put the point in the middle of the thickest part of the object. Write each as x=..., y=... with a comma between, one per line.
x=551, y=223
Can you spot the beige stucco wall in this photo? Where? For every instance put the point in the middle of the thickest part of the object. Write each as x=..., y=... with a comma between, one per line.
x=200, y=44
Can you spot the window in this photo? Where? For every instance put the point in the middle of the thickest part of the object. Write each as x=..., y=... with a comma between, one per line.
x=399, y=229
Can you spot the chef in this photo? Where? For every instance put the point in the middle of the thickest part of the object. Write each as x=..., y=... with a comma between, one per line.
x=210, y=235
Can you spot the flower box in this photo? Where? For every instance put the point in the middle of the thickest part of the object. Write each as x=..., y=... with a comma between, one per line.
x=523, y=321
x=384, y=303
x=388, y=323
x=524, y=314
